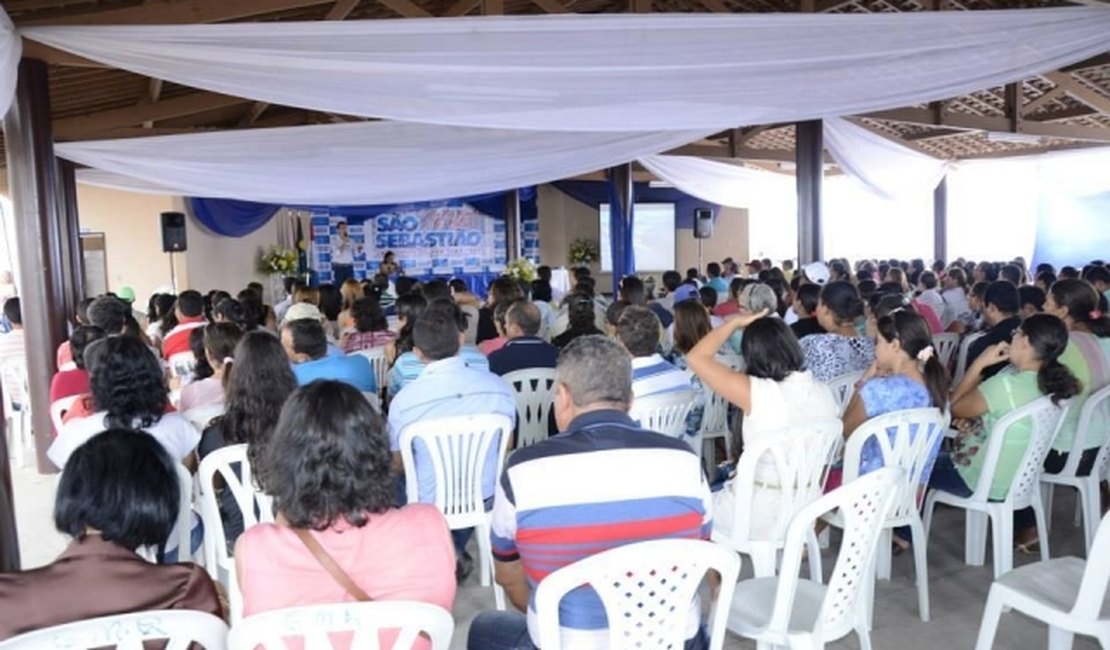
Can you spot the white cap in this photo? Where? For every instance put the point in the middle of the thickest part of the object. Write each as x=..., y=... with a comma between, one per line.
x=816, y=272
x=303, y=311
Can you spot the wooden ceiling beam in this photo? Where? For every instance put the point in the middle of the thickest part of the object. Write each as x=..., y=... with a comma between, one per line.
x=1038, y=103
x=550, y=6
x=165, y=12
x=1080, y=92
x=341, y=9
x=1000, y=124
x=72, y=127
x=744, y=153
x=462, y=8
x=54, y=56
x=406, y=8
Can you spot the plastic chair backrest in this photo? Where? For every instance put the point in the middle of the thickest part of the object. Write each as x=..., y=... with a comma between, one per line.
x=647, y=590
x=801, y=455
x=182, y=364
x=314, y=624
x=1045, y=418
x=13, y=380
x=1096, y=405
x=533, y=391
x=59, y=408
x=458, y=447
x=961, y=358
x=183, y=529
x=376, y=357
x=254, y=505
x=843, y=387
x=128, y=631
x=664, y=412
x=906, y=440
x=946, y=345
x=864, y=504
x=1092, y=590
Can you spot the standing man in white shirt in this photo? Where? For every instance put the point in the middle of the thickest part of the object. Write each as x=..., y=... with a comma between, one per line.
x=343, y=251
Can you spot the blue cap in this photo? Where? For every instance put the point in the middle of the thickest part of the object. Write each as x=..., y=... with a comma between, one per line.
x=686, y=292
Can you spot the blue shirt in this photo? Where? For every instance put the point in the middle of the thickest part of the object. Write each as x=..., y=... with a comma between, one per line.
x=521, y=353
x=408, y=367
x=445, y=388
x=354, y=370
x=721, y=286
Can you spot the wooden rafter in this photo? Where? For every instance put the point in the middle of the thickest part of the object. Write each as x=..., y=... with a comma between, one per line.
x=983, y=123
x=341, y=9
x=406, y=8
x=1036, y=104
x=550, y=6
x=72, y=127
x=176, y=12
x=1080, y=92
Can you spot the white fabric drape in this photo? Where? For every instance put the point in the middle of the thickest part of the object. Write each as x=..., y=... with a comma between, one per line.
x=11, y=49
x=356, y=163
x=718, y=182
x=884, y=167
x=603, y=72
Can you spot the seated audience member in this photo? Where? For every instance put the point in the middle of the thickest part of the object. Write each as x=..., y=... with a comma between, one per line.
x=632, y=291
x=714, y=279
x=502, y=289
x=11, y=343
x=63, y=356
x=708, y=296
x=1001, y=304
x=350, y=291
x=1031, y=299
x=1068, y=273
x=1099, y=277
x=671, y=282
x=370, y=327
x=1044, y=280
x=75, y=382
x=306, y=311
x=906, y=375
x=306, y=345
x=1013, y=274
x=524, y=349
x=957, y=315
x=805, y=306
x=128, y=392
x=259, y=382
x=617, y=499
x=542, y=299
x=338, y=537
x=581, y=319
x=732, y=305
x=290, y=285
x=756, y=297
x=489, y=346
x=331, y=303
x=613, y=316
x=691, y=324
x=841, y=349
x=447, y=386
x=119, y=491
x=409, y=365
x=219, y=341
x=189, y=311
x=774, y=392
x=471, y=306
x=979, y=402
x=158, y=317
x=306, y=294
x=408, y=307
x=930, y=295
x=816, y=273
x=638, y=333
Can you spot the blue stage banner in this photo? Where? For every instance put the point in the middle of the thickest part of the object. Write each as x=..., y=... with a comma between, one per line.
x=448, y=240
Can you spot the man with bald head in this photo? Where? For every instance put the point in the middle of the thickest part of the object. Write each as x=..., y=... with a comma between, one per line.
x=525, y=349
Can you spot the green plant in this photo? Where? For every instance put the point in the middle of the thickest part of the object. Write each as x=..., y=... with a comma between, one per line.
x=584, y=251
x=278, y=260
x=521, y=270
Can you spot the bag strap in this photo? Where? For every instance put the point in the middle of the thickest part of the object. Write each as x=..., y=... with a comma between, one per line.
x=331, y=567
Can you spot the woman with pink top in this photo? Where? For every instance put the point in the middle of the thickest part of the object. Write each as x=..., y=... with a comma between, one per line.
x=328, y=468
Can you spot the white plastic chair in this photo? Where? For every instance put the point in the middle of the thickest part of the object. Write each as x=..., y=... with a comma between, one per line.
x=1023, y=491
x=1089, y=506
x=946, y=345
x=800, y=456
x=183, y=365
x=664, y=412
x=128, y=631
x=533, y=392
x=58, y=410
x=314, y=623
x=843, y=387
x=648, y=590
x=376, y=357
x=458, y=447
x=254, y=506
x=792, y=612
x=182, y=533
x=961, y=358
x=906, y=440
x=1066, y=593
x=17, y=412
x=714, y=422
x=201, y=416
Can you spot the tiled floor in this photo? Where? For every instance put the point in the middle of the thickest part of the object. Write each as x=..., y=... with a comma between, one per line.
x=957, y=592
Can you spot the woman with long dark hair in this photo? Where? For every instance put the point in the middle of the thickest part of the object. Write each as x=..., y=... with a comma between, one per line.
x=218, y=341
x=328, y=467
x=841, y=349
x=1034, y=354
x=409, y=307
x=128, y=392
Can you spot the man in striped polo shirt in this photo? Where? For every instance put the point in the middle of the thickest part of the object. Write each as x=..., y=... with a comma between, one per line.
x=601, y=483
x=638, y=331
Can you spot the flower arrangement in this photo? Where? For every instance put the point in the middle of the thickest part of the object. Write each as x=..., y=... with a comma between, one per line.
x=584, y=251
x=278, y=260
x=521, y=269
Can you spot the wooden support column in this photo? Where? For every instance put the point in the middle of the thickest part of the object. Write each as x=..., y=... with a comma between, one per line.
x=73, y=277
x=33, y=178
x=809, y=155
x=512, y=224
x=940, y=221
x=621, y=199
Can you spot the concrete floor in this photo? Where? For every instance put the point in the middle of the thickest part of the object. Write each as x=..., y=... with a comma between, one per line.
x=957, y=592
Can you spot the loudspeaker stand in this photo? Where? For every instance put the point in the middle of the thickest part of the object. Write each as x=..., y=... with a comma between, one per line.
x=173, y=274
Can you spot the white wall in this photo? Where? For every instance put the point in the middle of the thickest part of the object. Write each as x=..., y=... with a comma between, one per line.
x=229, y=263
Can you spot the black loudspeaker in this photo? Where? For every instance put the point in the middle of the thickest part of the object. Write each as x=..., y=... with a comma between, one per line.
x=703, y=223
x=173, y=232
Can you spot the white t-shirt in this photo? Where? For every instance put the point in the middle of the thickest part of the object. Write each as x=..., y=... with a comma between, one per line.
x=172, y=431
